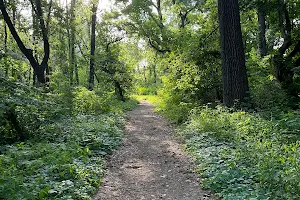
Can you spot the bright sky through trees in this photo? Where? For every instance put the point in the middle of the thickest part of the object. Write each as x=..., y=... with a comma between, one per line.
x=103, y=4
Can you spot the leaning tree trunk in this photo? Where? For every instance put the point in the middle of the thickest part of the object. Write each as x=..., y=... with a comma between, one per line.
x=39, y=69
x=235, y=81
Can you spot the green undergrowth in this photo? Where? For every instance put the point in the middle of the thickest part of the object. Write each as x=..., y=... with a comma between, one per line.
x=173, y=112
x=244, y=156
x=153, y=99
x=66, y=139
x=67, y=164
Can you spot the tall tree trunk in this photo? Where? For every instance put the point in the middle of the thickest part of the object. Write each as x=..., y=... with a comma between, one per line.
x=5, y=51
x=283, y=64
x=72, y=41
x=93, y=45
x=76, y=73
x=235, y=80
x=262, y=43
x=154, y=74
x=44, y=30
x=68, y=47
x=34, y=42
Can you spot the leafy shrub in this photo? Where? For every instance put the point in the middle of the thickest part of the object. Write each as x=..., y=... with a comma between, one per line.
x=187, y=84
x=146, y=90
x=66, y=137
x=241, y=155
x=154, y=99
x=87, y=102
x=174, y=107
x=67, y=166
x=130, y=104
x=24, y=110
x=266, y=92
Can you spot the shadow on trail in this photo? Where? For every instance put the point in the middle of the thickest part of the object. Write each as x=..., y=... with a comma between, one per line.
x=150, y=164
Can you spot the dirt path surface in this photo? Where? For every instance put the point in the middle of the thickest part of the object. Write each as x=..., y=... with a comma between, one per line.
x=151, y=164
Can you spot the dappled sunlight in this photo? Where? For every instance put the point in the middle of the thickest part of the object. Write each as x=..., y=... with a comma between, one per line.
x=150, y=163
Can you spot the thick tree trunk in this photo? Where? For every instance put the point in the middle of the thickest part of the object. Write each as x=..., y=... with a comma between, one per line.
x=93, y=46
x=235, y=81
x=262, y=43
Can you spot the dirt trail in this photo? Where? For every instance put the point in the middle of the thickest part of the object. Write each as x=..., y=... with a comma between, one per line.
x=151, y=164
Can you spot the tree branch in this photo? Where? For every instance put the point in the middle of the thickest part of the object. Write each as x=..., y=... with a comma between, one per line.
x=157, y=48
x=111, y=42
x=183, y=16
x=27, y=52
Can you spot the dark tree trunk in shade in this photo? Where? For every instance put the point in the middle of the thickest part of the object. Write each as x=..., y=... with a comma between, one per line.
x=262, y=43
x=72, y=43
x=234, y=73
x=154, y=74
x=93, y=46
x=283, y=64
x=119, y=91
x=5, y=51
x=11, y=116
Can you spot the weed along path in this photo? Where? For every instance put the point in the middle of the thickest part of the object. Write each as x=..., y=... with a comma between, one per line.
x=150, y=165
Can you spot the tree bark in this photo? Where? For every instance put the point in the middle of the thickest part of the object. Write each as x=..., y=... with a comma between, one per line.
x=262, y=43
x=154, y=74
x=5, y=51
x=72, y=41
x=283, y=64
x=235, y=81
x=119, y=90
x=93, y=46
x=44, y=65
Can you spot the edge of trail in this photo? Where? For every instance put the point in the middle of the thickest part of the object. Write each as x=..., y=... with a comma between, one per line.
x=151, y=163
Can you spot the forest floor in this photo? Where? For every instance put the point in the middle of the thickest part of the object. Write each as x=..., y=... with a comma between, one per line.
x=150, y=164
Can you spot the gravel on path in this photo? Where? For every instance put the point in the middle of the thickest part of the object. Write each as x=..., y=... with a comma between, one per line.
x=150, y=164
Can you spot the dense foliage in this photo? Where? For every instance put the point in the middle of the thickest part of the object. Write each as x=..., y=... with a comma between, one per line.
x=67, y=70
x=56, y=145
x=243, y=156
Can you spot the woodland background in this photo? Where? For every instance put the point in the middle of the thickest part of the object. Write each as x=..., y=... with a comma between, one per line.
x=226, y=73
